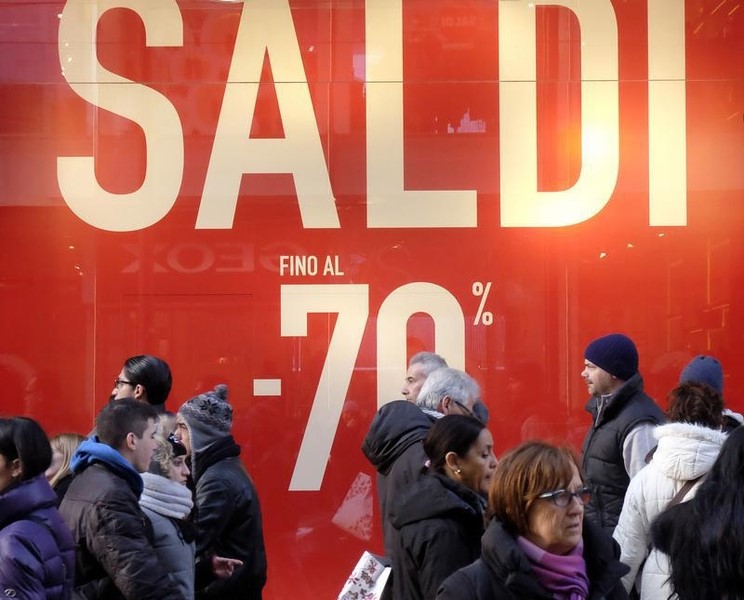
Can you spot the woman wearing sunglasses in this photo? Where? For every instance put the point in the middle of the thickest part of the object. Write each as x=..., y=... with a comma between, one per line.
x=538, y=544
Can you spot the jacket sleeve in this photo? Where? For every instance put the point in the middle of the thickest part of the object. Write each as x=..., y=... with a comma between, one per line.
x=19, y=568
x=213, y=512
x=632, y=531
x=117, y=535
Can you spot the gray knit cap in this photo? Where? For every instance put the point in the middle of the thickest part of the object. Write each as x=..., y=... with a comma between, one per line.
x=209, y=414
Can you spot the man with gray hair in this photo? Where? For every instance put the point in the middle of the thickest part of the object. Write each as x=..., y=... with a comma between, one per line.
x=448, y=391
x=420, y=367
x=394, y=443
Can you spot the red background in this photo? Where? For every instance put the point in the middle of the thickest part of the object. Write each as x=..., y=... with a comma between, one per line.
x=75, y=301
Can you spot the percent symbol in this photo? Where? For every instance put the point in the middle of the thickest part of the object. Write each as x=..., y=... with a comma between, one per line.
x=479, y=291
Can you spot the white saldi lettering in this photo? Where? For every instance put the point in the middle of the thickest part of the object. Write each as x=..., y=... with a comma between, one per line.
x=152, y=111
x=388, y=203
x=267, y=26
x=667, y=113
x=522, y=205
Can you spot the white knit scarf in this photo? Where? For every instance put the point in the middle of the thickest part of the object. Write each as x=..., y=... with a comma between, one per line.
x=166, y=497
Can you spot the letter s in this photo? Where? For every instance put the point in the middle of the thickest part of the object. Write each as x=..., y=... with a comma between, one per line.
x=149, y=109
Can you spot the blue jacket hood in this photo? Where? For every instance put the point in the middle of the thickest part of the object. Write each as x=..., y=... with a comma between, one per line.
x=92, y=451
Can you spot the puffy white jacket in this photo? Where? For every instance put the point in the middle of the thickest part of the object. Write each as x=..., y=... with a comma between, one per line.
x=684, y=452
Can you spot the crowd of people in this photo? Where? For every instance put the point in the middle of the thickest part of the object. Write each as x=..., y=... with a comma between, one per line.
x=158, y=505
x=651, y=508
x=151, y=505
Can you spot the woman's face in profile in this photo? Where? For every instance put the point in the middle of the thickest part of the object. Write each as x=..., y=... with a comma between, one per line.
x=554, y=528
x=179, y=471
x=477, y=466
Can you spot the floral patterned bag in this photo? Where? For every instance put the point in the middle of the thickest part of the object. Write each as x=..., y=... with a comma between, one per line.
x=367, y=580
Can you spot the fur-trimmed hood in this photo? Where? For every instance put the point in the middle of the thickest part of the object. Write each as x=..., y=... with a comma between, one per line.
x=686, y=450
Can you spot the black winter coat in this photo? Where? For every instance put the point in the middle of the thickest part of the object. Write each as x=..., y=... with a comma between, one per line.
x=394, y=447
x=503, y=572
x=228, y=523
x=115, y=556
x=439, y=524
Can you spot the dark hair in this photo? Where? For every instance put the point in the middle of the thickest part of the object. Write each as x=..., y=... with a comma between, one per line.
x=121, y=417
x=697, y=403
x=24, y=439
x=451, y=433
x=706, y=550
x=524, y=473
x=152, y=373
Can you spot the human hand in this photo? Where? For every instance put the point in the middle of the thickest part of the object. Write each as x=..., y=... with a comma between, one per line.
x=223, y=567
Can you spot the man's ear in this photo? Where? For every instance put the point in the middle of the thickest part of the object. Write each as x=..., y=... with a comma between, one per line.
x=131, y=441
x=139, y=391
x=445, y=405
x=16, y=468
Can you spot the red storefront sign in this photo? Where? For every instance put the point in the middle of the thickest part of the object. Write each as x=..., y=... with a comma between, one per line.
x=294, y=197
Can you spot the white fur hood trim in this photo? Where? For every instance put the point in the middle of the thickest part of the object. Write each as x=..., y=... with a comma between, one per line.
x=686, y=451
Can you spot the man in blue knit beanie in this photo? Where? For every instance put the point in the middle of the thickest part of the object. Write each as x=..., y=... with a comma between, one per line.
x=623, y=420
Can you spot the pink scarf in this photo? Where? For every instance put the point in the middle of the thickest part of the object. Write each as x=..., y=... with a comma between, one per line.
x=564, y=576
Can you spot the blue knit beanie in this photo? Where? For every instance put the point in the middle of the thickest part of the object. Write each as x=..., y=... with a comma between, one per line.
x=614, y=353
x=704, y=369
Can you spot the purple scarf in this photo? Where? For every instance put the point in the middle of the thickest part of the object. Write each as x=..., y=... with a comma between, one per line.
x=564, y=576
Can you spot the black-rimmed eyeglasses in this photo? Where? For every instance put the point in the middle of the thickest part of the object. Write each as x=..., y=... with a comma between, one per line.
x=563, y=498
x=120, y=382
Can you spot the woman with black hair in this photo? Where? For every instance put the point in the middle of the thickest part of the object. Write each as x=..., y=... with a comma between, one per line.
x=439, y=521
x=37, y=554
x=704, y=537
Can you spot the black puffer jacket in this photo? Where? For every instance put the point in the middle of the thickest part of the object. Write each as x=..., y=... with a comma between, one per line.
x=115, y=556
x=439, y=524
x=504, y=572
x=602, y=452
x=394, y=447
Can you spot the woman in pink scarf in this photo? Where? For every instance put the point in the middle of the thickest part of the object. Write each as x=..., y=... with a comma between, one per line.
x=538, y=544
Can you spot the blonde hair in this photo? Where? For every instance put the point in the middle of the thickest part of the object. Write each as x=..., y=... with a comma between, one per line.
x=162, y=458
x=65, y=444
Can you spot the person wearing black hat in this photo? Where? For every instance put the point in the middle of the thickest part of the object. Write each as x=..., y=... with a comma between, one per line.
x=623, y=420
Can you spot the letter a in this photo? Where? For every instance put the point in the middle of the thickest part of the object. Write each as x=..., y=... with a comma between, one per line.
x=266, y=26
